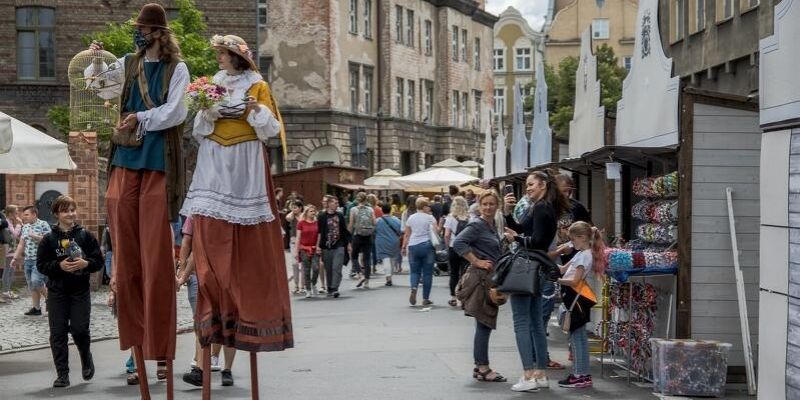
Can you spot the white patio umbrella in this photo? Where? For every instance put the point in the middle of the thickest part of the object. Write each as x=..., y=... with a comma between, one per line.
x=32, y=151
x=430, y=180
x=381, y=179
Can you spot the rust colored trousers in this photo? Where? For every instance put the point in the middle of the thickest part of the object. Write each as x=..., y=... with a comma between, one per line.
x=144, y=268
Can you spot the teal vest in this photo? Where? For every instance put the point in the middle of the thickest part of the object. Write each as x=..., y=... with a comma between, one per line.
x=150, y=155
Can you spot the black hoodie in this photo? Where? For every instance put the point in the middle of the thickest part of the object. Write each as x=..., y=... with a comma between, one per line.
x=54, y=248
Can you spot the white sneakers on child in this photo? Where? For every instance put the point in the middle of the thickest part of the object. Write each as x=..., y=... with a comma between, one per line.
x=529, y=385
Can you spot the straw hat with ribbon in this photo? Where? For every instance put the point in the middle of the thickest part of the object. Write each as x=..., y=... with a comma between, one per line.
x=235, y=45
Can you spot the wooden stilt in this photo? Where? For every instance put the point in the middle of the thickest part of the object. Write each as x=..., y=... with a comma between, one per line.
x=254, y=375
x=141, y=371
x=170, y=383
x=207, y=372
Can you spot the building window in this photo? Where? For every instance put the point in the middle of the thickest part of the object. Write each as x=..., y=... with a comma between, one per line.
x=408, y=162
x=262, y=13
x=499, y=60
x=454, y=108
x=368, y=90
x=399, y=97
x=627, y=62
x=265, y=65
x=697, y=15
x=600, y=28
x=724, y=9
x=524, y=59
x=174, y=13
x=477, y=54
x=367, y=18
x=354, y=88
x=412, y=100
x=354, y=16
x=428, y=102
x=499, y=101
x=398, y=24
x=677, y=11
x=455, y=43
x=476, y=109
x=749, y=4
x=36, y=49
x=464, y=107
x=410, y=28
x=428, y=37
x=464, y=45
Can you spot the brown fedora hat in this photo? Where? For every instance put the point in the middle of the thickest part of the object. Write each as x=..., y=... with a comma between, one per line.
x=152, y=15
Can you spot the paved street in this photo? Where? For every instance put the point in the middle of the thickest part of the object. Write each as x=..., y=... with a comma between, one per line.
x=365, y=345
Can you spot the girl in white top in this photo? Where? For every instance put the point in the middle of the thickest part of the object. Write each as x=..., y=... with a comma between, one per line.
x=588, y=243
x=421, y=254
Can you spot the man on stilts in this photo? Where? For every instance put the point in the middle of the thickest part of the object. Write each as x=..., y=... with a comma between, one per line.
x=146, y=190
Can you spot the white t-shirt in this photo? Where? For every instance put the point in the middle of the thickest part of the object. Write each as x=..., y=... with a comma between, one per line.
x=420, y=225
x=583, y=257
x=452, y=223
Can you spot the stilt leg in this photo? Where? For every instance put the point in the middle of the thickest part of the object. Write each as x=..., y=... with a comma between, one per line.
x=170, y=384
x=254, y=375
x=207, y=373
x=141, y=371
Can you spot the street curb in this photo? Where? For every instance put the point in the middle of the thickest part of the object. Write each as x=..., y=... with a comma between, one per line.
x=100, y=339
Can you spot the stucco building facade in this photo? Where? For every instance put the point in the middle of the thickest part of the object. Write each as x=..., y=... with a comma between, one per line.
x=612, y=22
x=396, y=84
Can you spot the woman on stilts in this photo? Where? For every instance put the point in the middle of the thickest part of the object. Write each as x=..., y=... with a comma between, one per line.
x=243, y=299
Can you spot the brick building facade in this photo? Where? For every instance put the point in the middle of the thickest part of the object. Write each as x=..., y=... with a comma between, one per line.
x=396, y=84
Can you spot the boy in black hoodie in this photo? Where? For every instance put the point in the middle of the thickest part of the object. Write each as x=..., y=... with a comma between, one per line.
x=67, y=256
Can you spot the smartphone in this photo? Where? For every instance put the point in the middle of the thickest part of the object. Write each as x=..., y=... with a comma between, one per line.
x=508, y=189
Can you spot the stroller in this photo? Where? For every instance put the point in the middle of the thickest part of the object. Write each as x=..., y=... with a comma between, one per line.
x=441, y=261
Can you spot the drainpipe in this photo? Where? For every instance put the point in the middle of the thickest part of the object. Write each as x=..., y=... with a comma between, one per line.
x=379, y=85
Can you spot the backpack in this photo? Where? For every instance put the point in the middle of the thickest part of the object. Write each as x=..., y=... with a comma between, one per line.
x=365, y=224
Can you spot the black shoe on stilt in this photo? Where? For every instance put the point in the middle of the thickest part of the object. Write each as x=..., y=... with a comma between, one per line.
x=194, y=377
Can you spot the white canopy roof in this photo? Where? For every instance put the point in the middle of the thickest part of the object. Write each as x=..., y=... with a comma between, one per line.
x=381, y=178
x=433, y=179
x=32, y=151
x=448, y=163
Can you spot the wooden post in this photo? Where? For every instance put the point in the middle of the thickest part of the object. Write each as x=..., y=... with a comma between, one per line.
x=683, y=328
x=207, y=372
x=170, y=383
x=144, y=390
x=254, y=375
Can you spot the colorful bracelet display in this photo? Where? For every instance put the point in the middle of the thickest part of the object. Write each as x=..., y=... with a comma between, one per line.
x=623, y=262
x=656, y=212
x=634, y=332
x=652, y=233
x=657, y=186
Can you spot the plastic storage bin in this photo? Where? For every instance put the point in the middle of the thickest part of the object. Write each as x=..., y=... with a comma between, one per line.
x=690, y=367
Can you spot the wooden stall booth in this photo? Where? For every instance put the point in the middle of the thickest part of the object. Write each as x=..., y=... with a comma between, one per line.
x=312, y=183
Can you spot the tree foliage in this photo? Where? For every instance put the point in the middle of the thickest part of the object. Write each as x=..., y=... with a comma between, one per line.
x=189, y=30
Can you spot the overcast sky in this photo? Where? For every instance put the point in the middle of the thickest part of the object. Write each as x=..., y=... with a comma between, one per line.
x=533, y=10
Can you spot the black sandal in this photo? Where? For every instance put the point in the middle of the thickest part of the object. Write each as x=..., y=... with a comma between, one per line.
x=482, y=376
x=132, y=378
x=161, y=371
x=453, y=302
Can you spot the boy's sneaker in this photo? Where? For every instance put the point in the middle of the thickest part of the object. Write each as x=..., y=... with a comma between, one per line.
x=194, y=377
x=572, y=381
x=227, y=377
x=215, y=367
x=61, y=381
x=525, y=385
x=34, y=312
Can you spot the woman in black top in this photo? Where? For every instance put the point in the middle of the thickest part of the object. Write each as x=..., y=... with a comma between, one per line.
x=537, y=229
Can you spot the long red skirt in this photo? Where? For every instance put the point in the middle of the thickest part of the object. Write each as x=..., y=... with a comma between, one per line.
x=243, y=296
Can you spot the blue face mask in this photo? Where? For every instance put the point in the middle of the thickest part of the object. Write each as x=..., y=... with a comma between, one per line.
x=140, y=40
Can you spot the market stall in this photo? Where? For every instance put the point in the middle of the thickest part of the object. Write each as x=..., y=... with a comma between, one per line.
x=30, y=151
x=431, y=180
x=312, y=183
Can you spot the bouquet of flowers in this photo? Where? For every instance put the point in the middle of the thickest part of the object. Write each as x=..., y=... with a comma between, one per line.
x=203, y=93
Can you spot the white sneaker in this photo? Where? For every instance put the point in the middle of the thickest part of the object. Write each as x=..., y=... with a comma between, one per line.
x=308, y=295
x=193, y=363
x=215, y=367
x=525, y=385
x=542, y=383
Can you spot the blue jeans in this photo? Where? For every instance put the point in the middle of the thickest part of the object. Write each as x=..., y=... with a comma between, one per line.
x=36, y=281
x=109, y=260
x=421, y=257
x=580, y=350
x=529, y=331
x=191, y=293
x=130, y=365
x=480, y=345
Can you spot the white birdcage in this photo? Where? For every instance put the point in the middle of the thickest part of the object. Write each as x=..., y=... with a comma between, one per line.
x=95, y=88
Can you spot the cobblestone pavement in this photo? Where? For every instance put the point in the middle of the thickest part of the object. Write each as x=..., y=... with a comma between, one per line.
x=19, y=332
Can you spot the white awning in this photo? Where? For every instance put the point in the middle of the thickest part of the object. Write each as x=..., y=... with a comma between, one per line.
x=31, y=151
x=433, y=179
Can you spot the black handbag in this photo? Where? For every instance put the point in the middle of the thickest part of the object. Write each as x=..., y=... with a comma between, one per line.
x=520, y=271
